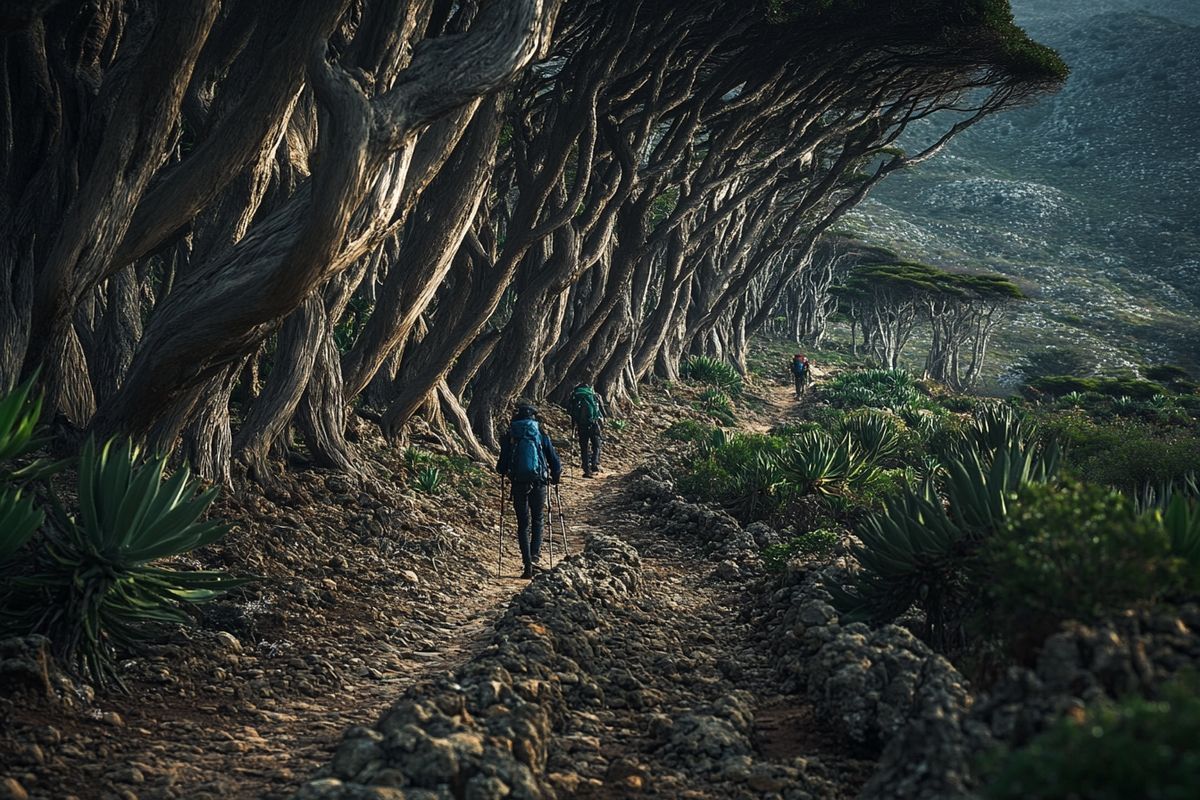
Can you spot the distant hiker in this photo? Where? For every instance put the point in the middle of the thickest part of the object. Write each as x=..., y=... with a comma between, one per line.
x=587, y=411
x=800, y=372
x=528, y=458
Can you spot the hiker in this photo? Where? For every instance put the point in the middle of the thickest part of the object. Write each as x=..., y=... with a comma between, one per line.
x=528, y=458
x=587, y=410
x=799, y=373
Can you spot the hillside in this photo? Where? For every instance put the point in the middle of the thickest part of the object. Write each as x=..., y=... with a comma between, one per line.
x=1088, y=196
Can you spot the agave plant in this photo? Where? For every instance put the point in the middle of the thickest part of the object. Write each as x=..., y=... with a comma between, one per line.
x=96, y=590
x=1158, y=496
x=755, y=485
x=876, y=388
x=873, y=434
x=428, y=481
x=816, y=462
x=717, y=404
x=715, y=440
x=20, y=412
x=722, y=375
x=921, y=420
x=1126, y=405
x=1072, y=399
x=1181, y=519
x=414, y=458
x=19, y=520
x=916, y=550
x=993, y=428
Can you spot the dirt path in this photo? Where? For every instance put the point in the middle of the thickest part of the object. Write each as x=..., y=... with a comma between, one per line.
x=265, y=718
x=248, y=722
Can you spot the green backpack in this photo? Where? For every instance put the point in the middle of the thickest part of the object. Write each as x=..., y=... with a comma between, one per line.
x=584, y=406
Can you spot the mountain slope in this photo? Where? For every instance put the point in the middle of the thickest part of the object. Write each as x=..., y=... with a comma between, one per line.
x=1089, y=196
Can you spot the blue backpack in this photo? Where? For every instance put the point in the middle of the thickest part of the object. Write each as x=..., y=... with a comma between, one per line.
x=526, y=463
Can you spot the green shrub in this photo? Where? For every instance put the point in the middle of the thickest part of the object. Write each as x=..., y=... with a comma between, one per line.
x=880, y=484
x=714, y=372
x=814, y=544
x=93, y=588
x=687, y=430
x=1070, y=551
x=1168, y=374
x=1058, y=385
x=795, y=428
x=959, y=403
x=1113, y=751
x=1125, y=453
x=617, y=425
x=740, y=472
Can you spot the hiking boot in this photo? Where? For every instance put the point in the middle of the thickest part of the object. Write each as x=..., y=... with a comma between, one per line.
x=595, y=469
x=528, y=573
x=589, y=474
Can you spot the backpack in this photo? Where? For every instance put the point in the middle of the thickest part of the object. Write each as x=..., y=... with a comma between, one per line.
x=799, y=367
x=585, y=407
x=526, y=463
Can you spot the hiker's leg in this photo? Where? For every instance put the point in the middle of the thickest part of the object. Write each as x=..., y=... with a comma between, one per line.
x=536, y=504
x=597, y=439
x=520, y=498
x=582, y=433
x=798, y=382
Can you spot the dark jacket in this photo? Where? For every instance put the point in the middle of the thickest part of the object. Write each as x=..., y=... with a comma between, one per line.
x=548, y=453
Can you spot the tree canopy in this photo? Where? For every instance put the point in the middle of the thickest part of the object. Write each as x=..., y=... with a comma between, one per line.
x=231, y=221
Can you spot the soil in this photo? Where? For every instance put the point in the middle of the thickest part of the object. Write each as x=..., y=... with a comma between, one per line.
x=364, y=588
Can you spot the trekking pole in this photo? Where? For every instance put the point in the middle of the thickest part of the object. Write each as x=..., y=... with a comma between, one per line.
x=550, y=521
x=562, y=522
x=500, y=508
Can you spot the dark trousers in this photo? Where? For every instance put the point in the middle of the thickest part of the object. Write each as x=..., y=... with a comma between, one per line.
x=528, y=500
x=590, y=439
x=799, y=378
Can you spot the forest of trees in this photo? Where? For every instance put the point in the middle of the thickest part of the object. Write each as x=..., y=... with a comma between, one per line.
x=225, y=222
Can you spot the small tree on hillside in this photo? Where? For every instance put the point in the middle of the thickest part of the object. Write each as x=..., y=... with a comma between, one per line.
x=888, y=300
x=963, y=314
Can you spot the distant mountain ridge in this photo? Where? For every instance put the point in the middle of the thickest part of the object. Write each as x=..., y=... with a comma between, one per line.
x=1092, y=196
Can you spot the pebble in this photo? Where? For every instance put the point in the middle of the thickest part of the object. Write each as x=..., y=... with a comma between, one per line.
x=11, y=789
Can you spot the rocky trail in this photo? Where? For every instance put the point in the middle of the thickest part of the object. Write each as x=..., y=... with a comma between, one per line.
x=677, y=698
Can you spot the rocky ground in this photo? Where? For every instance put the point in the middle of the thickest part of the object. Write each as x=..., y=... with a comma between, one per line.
x=361, y=594
x=632, y=670
x=364, y=587
x=380, y=657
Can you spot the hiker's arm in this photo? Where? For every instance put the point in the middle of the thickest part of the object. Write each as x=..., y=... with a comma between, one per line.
x=551, y=458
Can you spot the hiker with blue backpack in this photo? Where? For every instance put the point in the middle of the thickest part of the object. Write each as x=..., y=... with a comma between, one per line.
x=586, y=411
x=800, y=372
x=529, y=461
